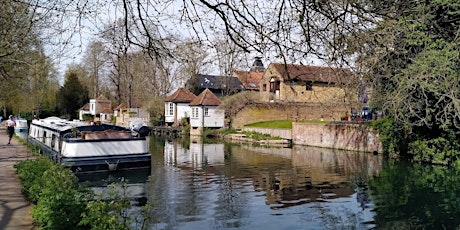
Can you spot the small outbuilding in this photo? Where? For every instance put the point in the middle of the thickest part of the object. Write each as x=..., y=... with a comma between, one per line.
x=205, y=112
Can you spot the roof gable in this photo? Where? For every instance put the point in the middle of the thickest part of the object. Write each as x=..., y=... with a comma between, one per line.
x=101, y=98
x=85, y=107
x=310, y=73
x=206, y=98
x=181, y=95
x=249, y=79
x=120, y=106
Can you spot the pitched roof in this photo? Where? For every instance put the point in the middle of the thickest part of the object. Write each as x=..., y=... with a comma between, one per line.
x=206, y=98
x=181, y=95
x=250, y=79
x=107, y=110
x=215, y=82
x=101, y=98
x=312, y=73
x=107, y=106
x=85, y=107
x=120, y=106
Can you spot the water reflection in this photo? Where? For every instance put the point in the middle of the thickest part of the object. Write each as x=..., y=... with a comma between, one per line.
x=409, y=196
x=135, y=184
x=217, y=185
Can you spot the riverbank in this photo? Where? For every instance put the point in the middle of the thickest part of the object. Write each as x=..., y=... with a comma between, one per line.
x=14, y=208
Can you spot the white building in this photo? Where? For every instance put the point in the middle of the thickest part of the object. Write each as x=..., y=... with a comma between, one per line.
x=177, y=106
x=205, y=112
x=100, y=110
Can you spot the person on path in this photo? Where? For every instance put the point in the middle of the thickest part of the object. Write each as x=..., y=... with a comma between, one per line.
x=10, y=128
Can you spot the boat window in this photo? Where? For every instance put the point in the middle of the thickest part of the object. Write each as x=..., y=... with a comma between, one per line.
x=53, y=140
x=44, y=136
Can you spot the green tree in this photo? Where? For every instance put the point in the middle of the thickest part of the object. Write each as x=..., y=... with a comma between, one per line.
x=413, y=60
x=19, y=40
x=72, y=96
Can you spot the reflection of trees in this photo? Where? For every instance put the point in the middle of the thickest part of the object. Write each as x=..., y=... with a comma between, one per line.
x=416, y=196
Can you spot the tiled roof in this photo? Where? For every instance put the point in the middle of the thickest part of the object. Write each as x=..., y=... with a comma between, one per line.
x=101, y=98
x=85, y=107
x=107, y=110
x=105, y=107
x=120, y=106
x=206, y=98
x=312, y=73
x=249, y=79
x=181, y=95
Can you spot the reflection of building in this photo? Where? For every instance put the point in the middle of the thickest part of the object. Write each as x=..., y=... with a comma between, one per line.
x=196, y=156
x=300, y=175
x=217, y=186
x=305, y=174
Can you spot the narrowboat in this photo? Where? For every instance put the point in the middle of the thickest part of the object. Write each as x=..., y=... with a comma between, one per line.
x=21, y=125
x=87, y=147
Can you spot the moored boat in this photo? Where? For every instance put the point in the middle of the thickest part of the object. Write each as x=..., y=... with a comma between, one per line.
x=21, y=125
x=84, y=147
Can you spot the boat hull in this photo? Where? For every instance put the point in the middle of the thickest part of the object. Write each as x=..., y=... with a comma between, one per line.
x=94, y=163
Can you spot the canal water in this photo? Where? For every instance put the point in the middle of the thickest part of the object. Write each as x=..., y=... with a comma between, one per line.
x=196, y=185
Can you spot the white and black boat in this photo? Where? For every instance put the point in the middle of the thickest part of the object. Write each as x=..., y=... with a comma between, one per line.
x=21, y=125
x=84, y=147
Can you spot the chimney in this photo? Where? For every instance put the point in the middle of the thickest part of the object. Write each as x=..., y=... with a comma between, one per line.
x=257, y=66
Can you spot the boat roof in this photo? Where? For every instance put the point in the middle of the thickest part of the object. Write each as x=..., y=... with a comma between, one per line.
x=59, y=123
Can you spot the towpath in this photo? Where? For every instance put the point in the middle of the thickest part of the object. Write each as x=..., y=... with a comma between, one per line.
x=14, y=209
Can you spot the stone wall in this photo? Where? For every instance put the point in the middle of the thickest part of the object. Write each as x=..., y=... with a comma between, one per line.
x=289, y=111
x=336, y=135
x=339, y=135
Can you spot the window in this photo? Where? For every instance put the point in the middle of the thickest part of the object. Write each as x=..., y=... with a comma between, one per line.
x=171, y=108
x=206, y=112
x=264, y=87
x=53, y=140
x=195, y=112
x=309, y=85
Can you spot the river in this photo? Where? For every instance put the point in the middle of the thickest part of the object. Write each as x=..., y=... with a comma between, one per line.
x=227, y=186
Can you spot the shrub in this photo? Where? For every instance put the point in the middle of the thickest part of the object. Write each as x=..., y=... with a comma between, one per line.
x=30, y=173
x=436, y=151
x=60, y=205
x=392, y=135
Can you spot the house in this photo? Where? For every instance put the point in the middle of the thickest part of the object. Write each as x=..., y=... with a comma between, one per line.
x=304, y=83
x=177, y=106
x=205, y=112
x=250, y=79
x=125, y=116
x=100, y=110
x=218, y=85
